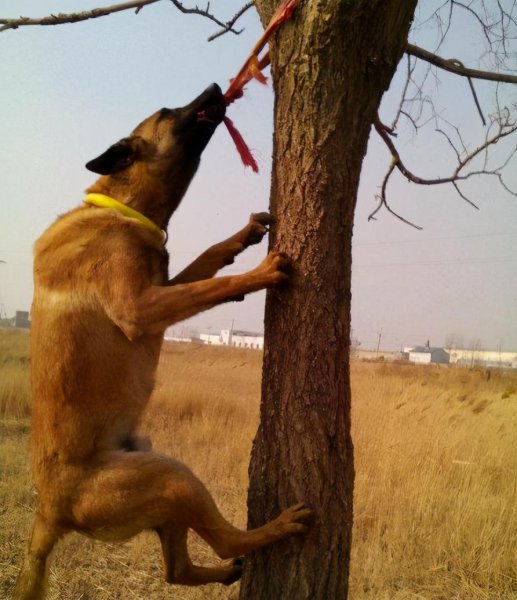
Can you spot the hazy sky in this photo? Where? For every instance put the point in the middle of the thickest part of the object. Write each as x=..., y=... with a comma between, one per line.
x=68, y=92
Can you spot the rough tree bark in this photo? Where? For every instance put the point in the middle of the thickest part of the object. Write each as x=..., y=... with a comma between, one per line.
x=330, y=67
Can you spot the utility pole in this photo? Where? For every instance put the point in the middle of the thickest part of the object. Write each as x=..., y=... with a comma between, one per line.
x=231, y=334
x=378, y=343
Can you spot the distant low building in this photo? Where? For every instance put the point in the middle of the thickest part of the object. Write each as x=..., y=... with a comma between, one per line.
x=242, y=339
x=214, y=339
x=377, y=355
x=234, y=337
x=484, y=358
x=21, y=320
x=425, y=355
x=175, y=338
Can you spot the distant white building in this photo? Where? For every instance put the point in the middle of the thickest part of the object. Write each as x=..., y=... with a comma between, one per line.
x=486, y=358
x=214, y=339
x=234, y=337
x=183, y=335
x=242, y=339
x=458, y=356
x=174, y=338
x=424, y=355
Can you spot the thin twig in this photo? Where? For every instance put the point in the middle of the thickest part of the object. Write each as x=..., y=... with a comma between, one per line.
x=383, y=202
x=484, y=27
x=410, y=119
x=229, y=24
x=410, y=69
x=478, y=106
x=462, y=195
x=61, y=18
x=205, y=12
x=447, y=137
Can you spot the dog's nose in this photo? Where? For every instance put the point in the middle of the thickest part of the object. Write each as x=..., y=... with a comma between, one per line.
x=210, y=96
x=213, y=93
x=214, y=88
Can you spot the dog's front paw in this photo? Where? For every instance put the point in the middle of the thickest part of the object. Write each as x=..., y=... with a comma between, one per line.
x=257, y=227
x=274, y=269
x=295, y=519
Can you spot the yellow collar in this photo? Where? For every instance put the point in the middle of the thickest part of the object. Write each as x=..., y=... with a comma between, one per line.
x=107, y=202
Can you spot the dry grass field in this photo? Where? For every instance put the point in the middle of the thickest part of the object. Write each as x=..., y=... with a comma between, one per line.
x=436, y=492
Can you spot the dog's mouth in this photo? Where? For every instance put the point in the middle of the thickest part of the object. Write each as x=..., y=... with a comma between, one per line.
x=209, y=107
x=214, y=109
x=212, y=114
x=198, y=120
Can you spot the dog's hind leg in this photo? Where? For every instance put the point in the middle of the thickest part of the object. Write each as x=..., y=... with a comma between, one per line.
x=129, y=492
x=31, y=581
x=179, y=568
x=230, y=542
x=223, y=254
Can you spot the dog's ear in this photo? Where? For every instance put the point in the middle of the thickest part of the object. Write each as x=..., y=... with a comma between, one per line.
x=117, y=157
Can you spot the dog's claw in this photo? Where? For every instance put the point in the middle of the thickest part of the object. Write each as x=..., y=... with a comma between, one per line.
x=258, y=227
x=235, y=574
x=295, y=519
x=264, y=218
x=274, y=269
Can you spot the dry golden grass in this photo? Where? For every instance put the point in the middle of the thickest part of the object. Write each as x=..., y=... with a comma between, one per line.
x=15, y=397
x=436, y=493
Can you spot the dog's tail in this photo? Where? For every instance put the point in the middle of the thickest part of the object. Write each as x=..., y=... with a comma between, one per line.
x=31, y=581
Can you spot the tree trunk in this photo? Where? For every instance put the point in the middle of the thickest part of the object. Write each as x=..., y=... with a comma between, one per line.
x=330, y=67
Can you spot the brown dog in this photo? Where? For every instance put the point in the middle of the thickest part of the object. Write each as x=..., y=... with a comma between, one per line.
x=102, y=301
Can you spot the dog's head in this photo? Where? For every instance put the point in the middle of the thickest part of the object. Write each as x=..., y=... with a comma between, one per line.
x=162, y=154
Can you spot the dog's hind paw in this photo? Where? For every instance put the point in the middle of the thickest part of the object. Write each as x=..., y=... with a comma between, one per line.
x=235, y=568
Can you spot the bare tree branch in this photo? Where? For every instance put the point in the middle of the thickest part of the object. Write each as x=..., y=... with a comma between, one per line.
x=496, y=20
x=229, y=24
x=484, y=27
x=478, y=105
x=451, y=144
x=504, y=127
x=410, y=69
x=410, y=119
x=454, y=66
x=462, y=195
x=205, y=12
x=61, y=18
x=383, y=202
x=472, y=89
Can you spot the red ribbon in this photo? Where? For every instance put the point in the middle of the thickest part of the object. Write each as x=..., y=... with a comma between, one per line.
x=240, y=144
x=252, y=69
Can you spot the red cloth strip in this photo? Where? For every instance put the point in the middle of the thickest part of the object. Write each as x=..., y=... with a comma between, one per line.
x=252, y=69
x=240, y=144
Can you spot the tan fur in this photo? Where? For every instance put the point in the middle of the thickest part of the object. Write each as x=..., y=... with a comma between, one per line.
x=102, y=301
